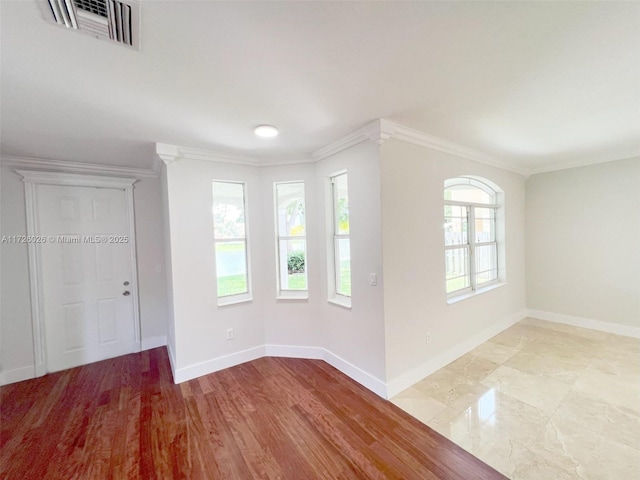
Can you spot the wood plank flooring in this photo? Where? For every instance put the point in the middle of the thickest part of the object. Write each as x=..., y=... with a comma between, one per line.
x=273, y=418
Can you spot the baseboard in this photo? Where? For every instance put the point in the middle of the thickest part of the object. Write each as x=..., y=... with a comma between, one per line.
x=27, y=373
x=379, y=387
x=318, y=353
x=289, y=351
x=220, y=363
x=365, y=379
x=416, y=374
x=293, y=351
x=17, y=375
x=172, y=362
x=153, y=342
x=616, y=328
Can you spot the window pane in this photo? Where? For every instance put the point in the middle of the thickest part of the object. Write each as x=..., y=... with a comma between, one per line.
x=341, y=199
x=231, y=268
x=343, y=266
x=228, y=210
x=486, y=277
x=290, y=202
x=486, y=264
x=468, y=193
x=455, y=225
x=481, y=212
x=457, y=269
x=293, y=264
x=459, y=283
x=455, y=211
x=485, y=225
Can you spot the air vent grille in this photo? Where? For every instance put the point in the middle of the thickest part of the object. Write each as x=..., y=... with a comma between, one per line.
x=97, y=7
x=110, y=19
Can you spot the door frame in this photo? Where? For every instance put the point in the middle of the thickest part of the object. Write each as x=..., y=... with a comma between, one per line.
x=33, y=178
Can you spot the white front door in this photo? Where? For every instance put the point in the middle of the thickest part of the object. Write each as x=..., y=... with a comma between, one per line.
x=86, y=269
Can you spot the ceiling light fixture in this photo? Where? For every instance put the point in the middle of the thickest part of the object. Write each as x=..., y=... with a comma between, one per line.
x=266, y=131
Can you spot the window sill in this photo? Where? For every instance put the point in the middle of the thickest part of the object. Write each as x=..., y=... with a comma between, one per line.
x=293, y=295
x=234, y=299
x=341, y=301
x=480, y=291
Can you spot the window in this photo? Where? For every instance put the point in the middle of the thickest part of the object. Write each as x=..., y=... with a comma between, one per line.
x=470, y=235
x=341, y=285
x=230, y=234
x=291, y=242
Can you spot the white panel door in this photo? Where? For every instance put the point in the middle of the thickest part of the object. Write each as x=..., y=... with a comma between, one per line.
x=86, y=274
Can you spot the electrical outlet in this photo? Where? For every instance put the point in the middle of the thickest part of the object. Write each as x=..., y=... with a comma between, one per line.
x=428, y=337
x=229, y=333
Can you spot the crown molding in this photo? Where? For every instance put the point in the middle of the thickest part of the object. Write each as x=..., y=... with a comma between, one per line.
x=373, y=131
x=79, y=168
x=377, y=131
x=167, y=153
x=172, y=153
x=634, y=154
x=75, y=179
x=410, y=135
x=381, y=130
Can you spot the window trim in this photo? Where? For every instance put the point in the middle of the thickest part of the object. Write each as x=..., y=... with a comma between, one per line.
x=333, y=269
x=497, y=206
x=244, y=296
x=281, y=293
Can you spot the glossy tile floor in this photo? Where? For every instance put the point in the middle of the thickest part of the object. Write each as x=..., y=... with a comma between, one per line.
x=541, y=401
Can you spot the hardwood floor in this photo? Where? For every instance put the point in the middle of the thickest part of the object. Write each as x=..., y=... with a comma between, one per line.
x=274, y=418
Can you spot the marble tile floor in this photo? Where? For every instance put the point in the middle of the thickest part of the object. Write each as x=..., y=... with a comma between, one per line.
x=540, y=401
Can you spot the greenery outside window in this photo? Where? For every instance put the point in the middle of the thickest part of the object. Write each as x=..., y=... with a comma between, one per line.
x=230, y=237
x=291, y=242
x=341, y=239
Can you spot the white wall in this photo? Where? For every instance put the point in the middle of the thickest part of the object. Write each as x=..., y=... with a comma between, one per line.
x=415, y=300
x=291, y=322
x=15, y=313
x=200, y=325
x=395, y=194
x=357, y=335
x=583, y=243
x=150, y=254
x=352, y=339
x=166, y=231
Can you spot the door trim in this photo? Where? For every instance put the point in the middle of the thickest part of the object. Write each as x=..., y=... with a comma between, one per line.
x=33, y=178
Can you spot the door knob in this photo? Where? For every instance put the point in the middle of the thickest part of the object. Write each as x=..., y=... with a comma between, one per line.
x=126, y=293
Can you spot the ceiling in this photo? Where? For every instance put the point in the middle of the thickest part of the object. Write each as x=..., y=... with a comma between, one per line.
x=534, y=85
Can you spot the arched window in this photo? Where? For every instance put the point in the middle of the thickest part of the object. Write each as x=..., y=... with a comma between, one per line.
x=471, y=235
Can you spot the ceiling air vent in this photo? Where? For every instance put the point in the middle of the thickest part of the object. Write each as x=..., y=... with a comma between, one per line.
x=106, y=19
